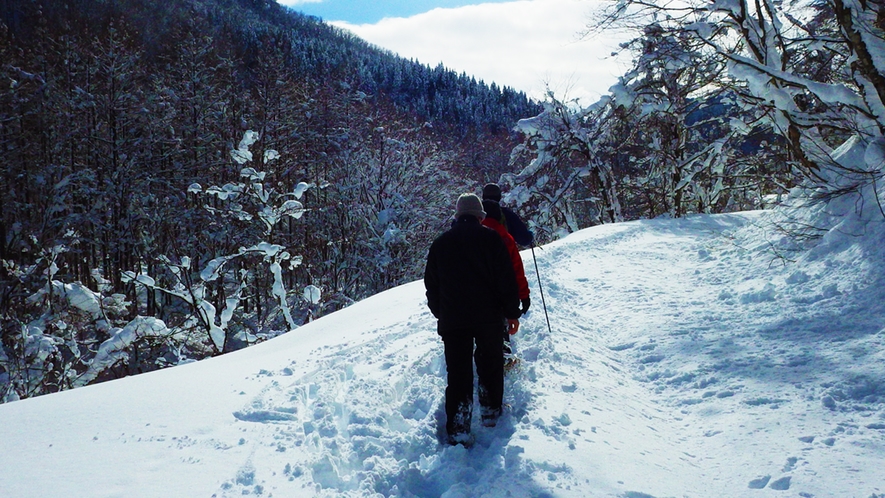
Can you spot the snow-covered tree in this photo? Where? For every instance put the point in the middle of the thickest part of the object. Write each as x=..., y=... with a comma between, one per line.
x=50, y=352
x=566, y=184
x=213, y=293
x=663, y=98
x=391, y=194
x=809, y=69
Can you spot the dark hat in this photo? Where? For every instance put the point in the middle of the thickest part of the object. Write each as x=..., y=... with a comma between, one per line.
x=469, y=204
x=492, y=191
x=492, y=209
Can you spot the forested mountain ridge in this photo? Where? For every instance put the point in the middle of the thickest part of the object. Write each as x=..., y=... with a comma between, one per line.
x=246, y=30
x=174, y=174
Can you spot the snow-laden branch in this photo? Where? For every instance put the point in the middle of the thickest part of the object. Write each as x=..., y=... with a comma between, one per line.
x=250, y=199
x=114, y=349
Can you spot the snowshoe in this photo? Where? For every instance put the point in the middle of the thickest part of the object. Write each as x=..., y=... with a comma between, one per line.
x=510, y=358
x=510, y=362
x=464, y=439
x=490, y=417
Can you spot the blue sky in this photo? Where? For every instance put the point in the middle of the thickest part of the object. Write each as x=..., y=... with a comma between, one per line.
x=527, y=45
x=372, y=11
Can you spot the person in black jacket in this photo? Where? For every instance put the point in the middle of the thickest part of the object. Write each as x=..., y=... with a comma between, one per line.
x=471, y=289
x=514, y=224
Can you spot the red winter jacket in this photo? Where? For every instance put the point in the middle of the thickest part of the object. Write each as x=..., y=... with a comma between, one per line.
x=521, y=283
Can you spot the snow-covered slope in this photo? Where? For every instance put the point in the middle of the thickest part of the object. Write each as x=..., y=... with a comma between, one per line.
x=684, y=360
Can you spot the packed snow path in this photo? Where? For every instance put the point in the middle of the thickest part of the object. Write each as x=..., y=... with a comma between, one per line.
x=684, y=360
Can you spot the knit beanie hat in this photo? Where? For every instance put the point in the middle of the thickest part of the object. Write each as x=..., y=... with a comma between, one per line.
x=492, y=192
x=469, y=204
x=492, y=209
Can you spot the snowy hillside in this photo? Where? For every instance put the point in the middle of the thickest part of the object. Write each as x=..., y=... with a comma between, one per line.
x=685, y=359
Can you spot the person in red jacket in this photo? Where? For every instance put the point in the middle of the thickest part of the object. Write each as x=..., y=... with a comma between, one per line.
x=492, y=220
x=511, y=221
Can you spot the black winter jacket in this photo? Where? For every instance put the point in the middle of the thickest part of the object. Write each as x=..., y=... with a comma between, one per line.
x=517, y=229
x=469, y=277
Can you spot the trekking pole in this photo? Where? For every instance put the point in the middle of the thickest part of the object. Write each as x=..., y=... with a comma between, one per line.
x=541, y=289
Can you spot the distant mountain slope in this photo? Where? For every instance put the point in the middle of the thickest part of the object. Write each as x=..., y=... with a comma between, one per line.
x=312, y=49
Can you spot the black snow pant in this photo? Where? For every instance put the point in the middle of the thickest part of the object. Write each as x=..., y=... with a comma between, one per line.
x=460, y=355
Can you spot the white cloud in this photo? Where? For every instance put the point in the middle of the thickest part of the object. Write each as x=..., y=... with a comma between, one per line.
x=523, y=44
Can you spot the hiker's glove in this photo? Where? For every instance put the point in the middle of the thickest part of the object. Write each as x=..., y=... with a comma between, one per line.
x=525, y=305
x=512, y=326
